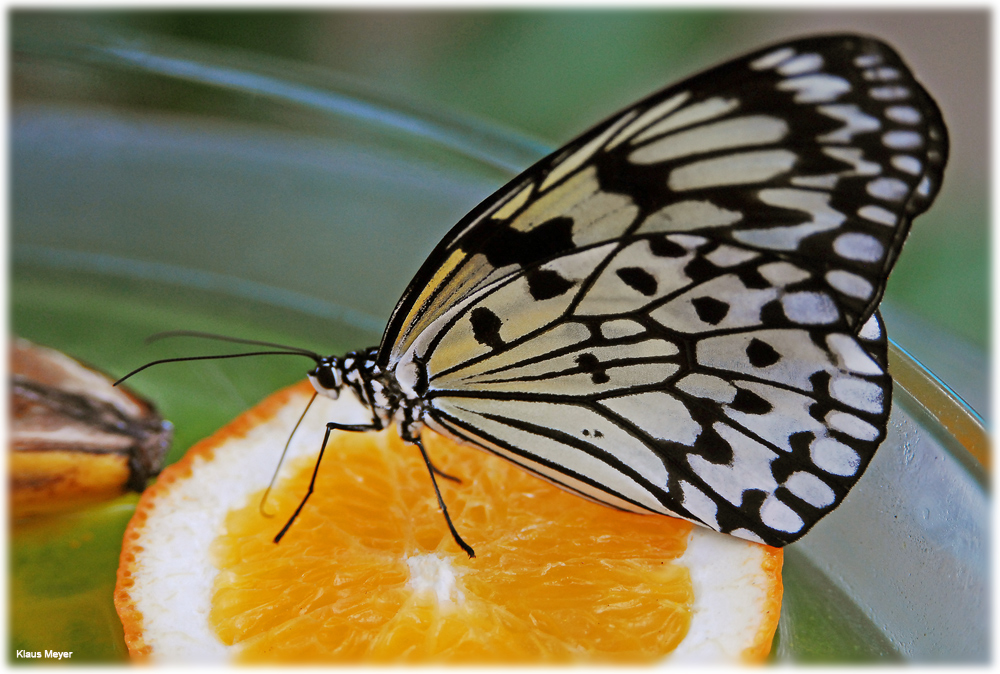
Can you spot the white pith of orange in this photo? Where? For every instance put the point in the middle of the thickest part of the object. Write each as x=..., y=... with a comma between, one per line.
x=167, y=575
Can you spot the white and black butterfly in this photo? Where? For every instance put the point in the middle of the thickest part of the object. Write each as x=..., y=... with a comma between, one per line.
x=676, y=312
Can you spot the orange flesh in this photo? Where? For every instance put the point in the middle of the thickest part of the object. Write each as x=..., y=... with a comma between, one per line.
x=555, y=579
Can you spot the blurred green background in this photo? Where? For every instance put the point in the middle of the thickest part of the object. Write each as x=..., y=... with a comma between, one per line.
x=547, y=75
x=551, y=74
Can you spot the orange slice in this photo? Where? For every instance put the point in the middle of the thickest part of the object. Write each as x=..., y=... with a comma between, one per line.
x=369, y=573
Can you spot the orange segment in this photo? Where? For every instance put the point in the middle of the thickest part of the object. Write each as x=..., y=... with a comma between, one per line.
x=555, y=577
x=369, y=572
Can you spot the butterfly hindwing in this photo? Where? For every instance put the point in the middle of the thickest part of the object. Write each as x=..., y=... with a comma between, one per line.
x=672, y=405
x=676, y=312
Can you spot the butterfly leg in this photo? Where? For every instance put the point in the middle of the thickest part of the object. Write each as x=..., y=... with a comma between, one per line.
x=441, y=473
x=375, y=426
x=444, y=509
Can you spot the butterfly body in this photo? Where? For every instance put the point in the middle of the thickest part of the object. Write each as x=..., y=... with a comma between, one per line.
x=676, y=313
x=376, y=389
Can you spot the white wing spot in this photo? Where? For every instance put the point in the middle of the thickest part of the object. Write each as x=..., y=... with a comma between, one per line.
x=850, y=355
x=778, y=516
x=570, y=418
x=459, y=347
x=834, y=457
x=750, y=467
x=889, y=93
x=871, y=330
x=908, y=164
x=699, y=505
x=924, y=188
x=692, y=114
x=728, y=133
x=850, y=284
x=648, y=117
x=887, y=189
x=904, y=114
x=619, y=328
x=827, y=181
x=689, y=241
x=564, y=376
x=860, y=247
x=707, y=386
x=782, y=274
x=820, y=88
x=541, y=450
x=860, y=394
x=886, y=74
x=743, y=306
x=514, y=203
x=817, y=204
x=734, y=169
x=597, y=215
x=810, y=489
x=575, y=160
x=800, y=357
x=854, y=119
x=685, y=215
x=878, y=215
x=789, y=415
x=746, y=535
x=854, y=157
x=867, y=60
x=852, y=426
x=902, y=140
x=660, y=414
x=801, y=64
x=810, y=308
x=730, y=256
x=615, y=291
x=772, y=59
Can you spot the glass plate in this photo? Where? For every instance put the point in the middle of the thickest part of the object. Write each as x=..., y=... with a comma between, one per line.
x=157, y=186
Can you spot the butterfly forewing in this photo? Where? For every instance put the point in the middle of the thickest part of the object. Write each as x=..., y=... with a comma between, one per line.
x=676, y=312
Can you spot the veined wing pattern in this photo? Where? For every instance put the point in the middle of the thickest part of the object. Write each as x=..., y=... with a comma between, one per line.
x=676, y=313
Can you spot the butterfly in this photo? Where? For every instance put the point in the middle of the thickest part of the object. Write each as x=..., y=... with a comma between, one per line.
x=676, y=313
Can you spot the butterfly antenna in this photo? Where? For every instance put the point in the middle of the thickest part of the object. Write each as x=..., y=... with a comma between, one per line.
x=226, y=338
x=281, y=460
x=215, y=357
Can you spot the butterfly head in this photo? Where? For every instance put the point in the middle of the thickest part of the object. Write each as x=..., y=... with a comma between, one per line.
x=328, y=376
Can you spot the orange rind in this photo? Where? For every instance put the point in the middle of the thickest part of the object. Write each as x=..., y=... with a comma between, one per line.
x=368, y=573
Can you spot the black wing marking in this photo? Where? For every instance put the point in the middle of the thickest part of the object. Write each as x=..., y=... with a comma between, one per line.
x=676, y=312
x=822, y=149
x=737, y=397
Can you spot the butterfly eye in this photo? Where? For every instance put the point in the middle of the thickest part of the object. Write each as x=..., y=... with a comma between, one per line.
x=326, y=376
